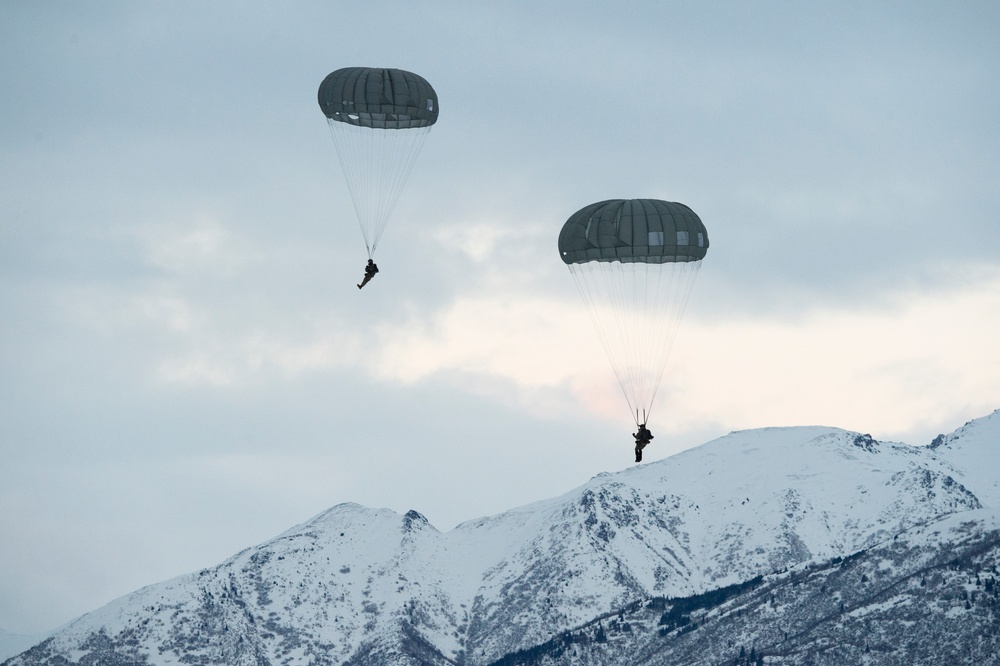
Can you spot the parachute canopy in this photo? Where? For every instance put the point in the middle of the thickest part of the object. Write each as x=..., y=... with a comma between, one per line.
x=378, y=98
x=627, y=230
x=634, y=262
x=378, y=119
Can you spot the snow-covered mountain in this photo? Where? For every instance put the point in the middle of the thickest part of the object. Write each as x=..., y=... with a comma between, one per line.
x=928, y=596
x=368, y=586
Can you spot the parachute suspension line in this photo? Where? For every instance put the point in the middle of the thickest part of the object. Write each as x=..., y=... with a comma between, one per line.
x=602, y=289
x=636, y=308
x=376, y=164
x=596, y=286
x=398, y=154
x=679, y=280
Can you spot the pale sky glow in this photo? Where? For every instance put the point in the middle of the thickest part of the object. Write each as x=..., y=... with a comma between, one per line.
x=187, y=367
x=903, y=372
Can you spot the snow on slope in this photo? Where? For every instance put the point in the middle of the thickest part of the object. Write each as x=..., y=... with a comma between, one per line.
x=321, y=588
x=765, y=497
x=749, y=503
x=927, y=597
x=370, y=585
x=974, y=453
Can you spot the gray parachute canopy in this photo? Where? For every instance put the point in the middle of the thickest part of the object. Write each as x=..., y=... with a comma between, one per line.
x=633, y=230
x=378, y=98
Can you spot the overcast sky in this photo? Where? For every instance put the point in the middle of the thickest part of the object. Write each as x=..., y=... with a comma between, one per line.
x=186, y=366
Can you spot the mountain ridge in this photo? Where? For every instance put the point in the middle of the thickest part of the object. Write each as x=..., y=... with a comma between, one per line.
x=356, y=585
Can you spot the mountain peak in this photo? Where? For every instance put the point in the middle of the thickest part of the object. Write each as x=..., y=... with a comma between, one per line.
x=414, y=520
